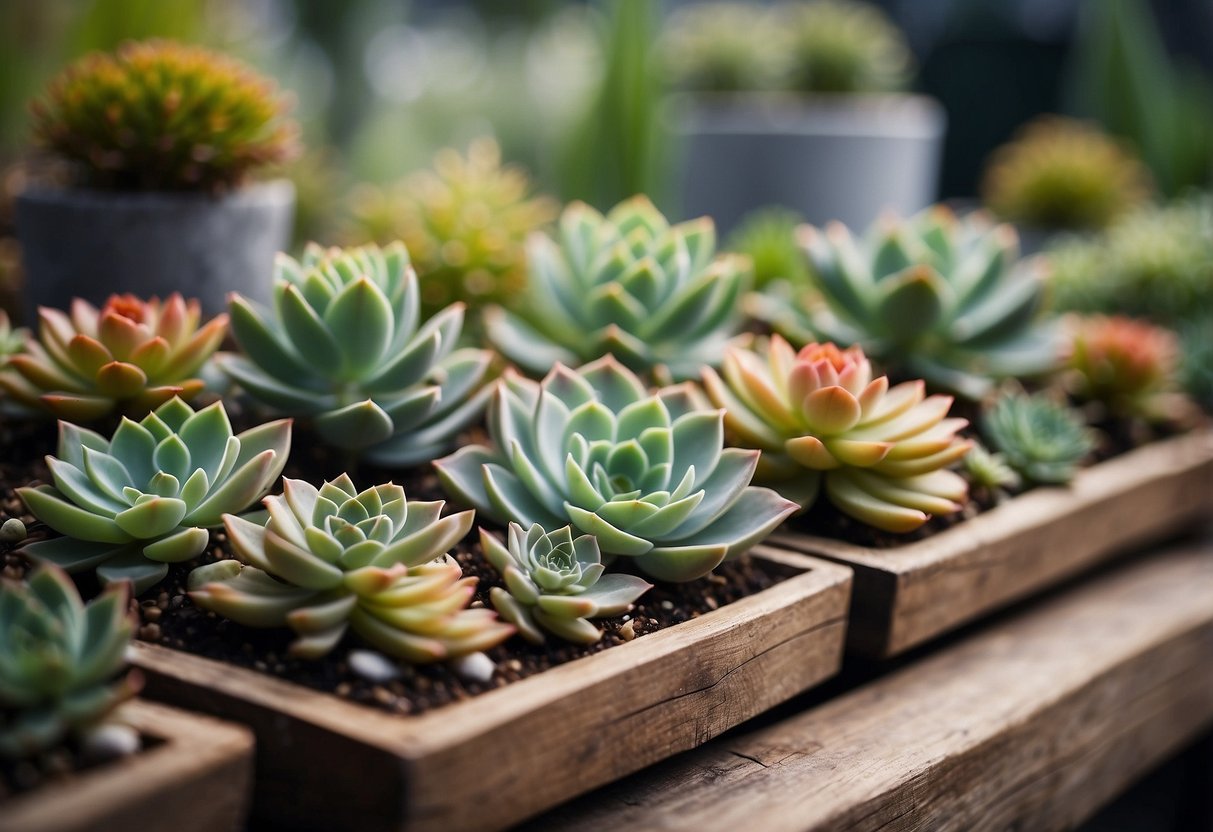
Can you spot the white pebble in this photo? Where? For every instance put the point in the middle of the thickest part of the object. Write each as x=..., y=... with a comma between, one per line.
x=372, y=666
x=474, y=667
x=12, y=531
x=110, y=740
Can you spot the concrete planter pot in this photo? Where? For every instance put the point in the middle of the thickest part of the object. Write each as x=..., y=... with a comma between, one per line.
x=90, y=244
x=829, y=157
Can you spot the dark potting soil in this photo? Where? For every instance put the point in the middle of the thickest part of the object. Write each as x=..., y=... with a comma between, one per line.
x=58, y=765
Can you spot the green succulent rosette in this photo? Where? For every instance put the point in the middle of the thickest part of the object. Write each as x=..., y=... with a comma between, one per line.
x=1042, y=440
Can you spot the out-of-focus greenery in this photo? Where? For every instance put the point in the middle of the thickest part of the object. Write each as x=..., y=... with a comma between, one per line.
x=846, y=46
x=768, y=237
x=726, y=47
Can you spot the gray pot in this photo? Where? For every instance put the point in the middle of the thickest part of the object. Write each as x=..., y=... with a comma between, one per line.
x=90, y=244
x=829, y=157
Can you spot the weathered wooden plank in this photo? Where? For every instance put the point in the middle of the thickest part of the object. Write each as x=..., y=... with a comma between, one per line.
x=1031, y=724
x=195, y=778
x=907, y=595
x=493, y=760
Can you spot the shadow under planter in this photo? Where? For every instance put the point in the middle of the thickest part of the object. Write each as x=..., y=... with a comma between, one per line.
x=90, y=244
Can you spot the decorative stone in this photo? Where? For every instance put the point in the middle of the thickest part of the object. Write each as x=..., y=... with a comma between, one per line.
x=372, y=666
x=12, y=531
x=474, y=667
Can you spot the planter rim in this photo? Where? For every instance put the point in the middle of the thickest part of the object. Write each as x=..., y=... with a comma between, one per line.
x=903, y=115
x=272, y=191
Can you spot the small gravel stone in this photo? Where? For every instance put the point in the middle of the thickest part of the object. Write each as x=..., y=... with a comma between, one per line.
x=109, y=741
x=372, y=666
x=12, y=531
x=475, y=667
x=667, y=605
x=628, y=631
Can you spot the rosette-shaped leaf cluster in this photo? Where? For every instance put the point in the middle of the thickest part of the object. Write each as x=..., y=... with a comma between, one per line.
x=554, y=582
x=131, y=505
x=819, y=414
x=989, y=471
x=768, y=238
x=628, y=284
x=61, y=669
x=345, y=346
x=646, y=474
x=1130, y=366
x=127, y=357
x=1044, y=441
x=334, y=558
x=935, y=297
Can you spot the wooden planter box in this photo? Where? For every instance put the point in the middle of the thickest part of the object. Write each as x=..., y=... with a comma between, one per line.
x=195, y=777
x=491, y=761
x=906, y=595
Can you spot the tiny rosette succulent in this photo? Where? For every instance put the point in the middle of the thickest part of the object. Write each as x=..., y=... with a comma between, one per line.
x=646, y=474
x=1044, y=441
x=61, y=669
x=554, y=582
x=127, y=357
x=1130, y=366
x=345, y=347
x=820, y=415
x=988, y=470
x=334, y=558
x=768, y=238
x=628, y=284
x=131, y=505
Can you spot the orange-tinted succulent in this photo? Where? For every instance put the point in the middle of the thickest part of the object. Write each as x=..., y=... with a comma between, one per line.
x=1127, y=364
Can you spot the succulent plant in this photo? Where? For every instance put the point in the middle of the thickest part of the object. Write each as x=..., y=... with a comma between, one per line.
x=646, y=474
x=628, y=284
x=768, y=238
x=1129, y=366
x=344, y=346
x=465, y=223
x=159, y=115
x=333, y=558
x=1044, y=441
x=843, y=46
x=819, y=415
x=131, y=505
x=554, y=582
x=725, y=47
x=128, y=357
x=62, y=667
x=12, y=338
x=931, y=297
x=989, y=470
x=1061, y=173
x=1196, y=362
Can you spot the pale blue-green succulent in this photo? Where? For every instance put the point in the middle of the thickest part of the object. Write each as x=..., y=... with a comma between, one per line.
x=1042, y=440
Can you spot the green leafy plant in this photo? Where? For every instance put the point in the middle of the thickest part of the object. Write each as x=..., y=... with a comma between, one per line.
x=843, y=46
x=1042, y=440
x=1128, y=366
x=726, y=47
x=344, y=346
x=12, y=338
x=988, y=470
x=128, y=357
x=62, y=669
x=819, y=415
x=629, y=284
x=131, y=505
x=334, y=558
x=646, y=474
x=160, y=115
x=1196, y=362
x=768, y=237
x=554, y=582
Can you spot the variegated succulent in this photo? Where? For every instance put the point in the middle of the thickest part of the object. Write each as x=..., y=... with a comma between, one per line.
x=1043, y=440
x=333, y=558
x=344, y=346
x=127, y=357
x=1127, y=365
x=820, y=415
x=628, y=284
x=645, y=473
x=131, y=505
x=932, y=297
x=62, y=667
x=554, y=582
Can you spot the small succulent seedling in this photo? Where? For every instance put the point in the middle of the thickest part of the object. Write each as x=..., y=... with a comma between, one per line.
x=127, y=357
x=628, y=284
x=646, y=474
x=62, y=667
x=345, y=346
x=1128, y=366
x=724, y=47
x=819, y=415
x=844, y=46
x=131, y=505
x=554, y=582
x=768, y=238
x=1044, y=441
x=334, y=558
x=989, y=470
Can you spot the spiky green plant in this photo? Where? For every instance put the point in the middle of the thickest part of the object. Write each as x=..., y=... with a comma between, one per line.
x=344, y=345
x=646, y=474
x=989, y=470
x=333, y=558
x=1044, y=441
x=931, y=297
x=554, y=582
x=159, y=115
x=628, y=284
x=844, y=46
x=128, y=357
x=768, y=238
x=1129, y=366
x=819, y=415
x=725, y=47
x=131, y=505
x=62, y=669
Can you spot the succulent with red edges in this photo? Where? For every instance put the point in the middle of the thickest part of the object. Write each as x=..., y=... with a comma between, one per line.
x=1130, y=366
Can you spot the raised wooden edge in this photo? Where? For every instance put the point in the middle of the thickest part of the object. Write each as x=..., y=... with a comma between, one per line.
x=907, y=595
x=1033, y=723
x=493, y=760
x=196, y=777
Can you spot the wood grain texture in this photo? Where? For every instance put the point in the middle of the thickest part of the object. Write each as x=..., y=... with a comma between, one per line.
x=488, y=762
x=907, y=595
x=1033, y=724
x=196, y=778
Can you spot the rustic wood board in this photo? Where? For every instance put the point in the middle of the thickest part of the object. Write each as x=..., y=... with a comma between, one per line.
x=907, y=595
x=196, y=778
x=491, y=761
x=1033, y=723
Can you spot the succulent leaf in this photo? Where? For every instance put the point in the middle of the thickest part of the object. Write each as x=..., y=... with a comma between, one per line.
x=1042, y=440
